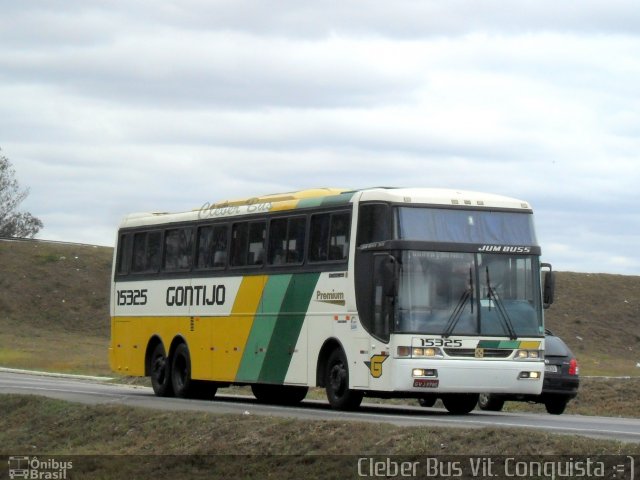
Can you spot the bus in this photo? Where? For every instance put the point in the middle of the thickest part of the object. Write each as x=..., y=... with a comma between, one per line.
x=381, y=292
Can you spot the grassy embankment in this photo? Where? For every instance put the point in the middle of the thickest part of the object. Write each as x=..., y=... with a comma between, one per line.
x=163, y=443
x=54, y=312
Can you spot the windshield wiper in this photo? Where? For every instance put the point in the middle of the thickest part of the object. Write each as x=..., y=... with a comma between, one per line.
x=493, y=295
x=471, y=288
x=457, y=311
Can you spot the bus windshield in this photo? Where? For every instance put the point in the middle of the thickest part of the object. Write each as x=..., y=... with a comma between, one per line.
x=453, y=293
x=465, y=226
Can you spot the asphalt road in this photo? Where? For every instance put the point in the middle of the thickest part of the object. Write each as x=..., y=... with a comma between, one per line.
x=91, y=391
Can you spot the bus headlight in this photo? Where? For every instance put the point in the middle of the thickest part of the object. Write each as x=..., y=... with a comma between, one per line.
x=528, y=355
x=423, y=352
x=420, y=352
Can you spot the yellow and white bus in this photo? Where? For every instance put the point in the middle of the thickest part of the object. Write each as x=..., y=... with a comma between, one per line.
x=385, y=292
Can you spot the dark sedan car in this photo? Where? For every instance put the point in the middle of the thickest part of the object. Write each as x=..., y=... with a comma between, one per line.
x=561, y=380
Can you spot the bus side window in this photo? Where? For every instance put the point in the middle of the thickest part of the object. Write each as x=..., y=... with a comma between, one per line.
x=139, y=256
x=154, y=251
x=247, y=243
x=257, y=234
x=147, y=252
x=329, y=237
x=203, y=250
x=277, y=241
x=178, y=249
x=239, y=244
x=286, y=240
x=124, y=253
x=212, y=247
x=373, y=223
x=339, y=236
x=220, y=246
x=296, y=239
x=319, y=241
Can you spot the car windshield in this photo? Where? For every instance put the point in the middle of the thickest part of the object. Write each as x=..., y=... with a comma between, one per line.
x=449, y=293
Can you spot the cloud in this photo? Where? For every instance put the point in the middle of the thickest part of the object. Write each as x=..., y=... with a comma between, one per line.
x=402, y=19
x=111, y=107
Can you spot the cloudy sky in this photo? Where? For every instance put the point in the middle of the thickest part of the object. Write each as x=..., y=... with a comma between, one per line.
x=109, y=107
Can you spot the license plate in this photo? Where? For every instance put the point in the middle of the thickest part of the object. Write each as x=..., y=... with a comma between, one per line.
x=425, y=383
x=551, y=368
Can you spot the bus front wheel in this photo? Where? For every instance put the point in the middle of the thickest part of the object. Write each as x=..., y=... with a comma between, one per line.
x=337, y=383
x=161, y=373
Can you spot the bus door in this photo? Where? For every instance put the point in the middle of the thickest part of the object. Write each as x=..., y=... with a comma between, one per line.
x=378, y=317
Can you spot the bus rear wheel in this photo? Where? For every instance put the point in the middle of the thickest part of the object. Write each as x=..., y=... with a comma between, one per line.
x=337, y=383
x=181, y=372
x=161, y=373
x=460, y=403
x=182, y=383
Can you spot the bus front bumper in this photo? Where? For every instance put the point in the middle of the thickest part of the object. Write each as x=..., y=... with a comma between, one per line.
x=467, y=376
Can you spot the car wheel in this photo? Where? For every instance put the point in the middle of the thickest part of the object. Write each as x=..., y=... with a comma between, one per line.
x=556, y=406
x=427, y=401
x=460, y=403
x=486, y=401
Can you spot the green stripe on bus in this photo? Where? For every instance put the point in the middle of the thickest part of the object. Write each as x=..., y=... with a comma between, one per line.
x=341, y=199
x=288, y=327
x=262, y=329
x=330, y=200
x=498, y=344
x=309, y=202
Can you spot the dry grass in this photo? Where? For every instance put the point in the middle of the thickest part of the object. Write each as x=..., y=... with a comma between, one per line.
x=318, y=449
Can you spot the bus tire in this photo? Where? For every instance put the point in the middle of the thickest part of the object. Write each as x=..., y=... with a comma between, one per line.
x=161, y=372
x=279, y=394
x=337, y=383
x=183, y=386
x=460, y=403
x=293, y=394
x=203, y=390
x=263, y=393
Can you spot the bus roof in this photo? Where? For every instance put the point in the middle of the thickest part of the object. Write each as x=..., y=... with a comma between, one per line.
x=328, y=196
x=444, y=197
